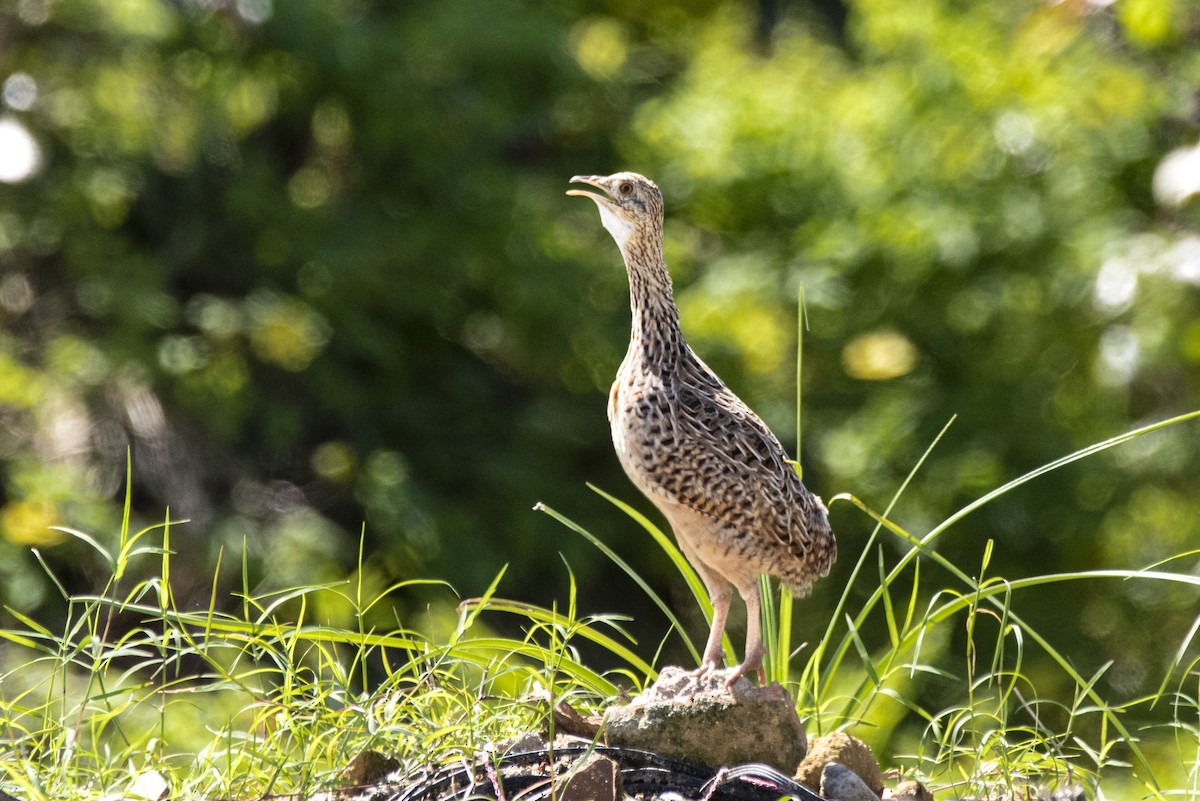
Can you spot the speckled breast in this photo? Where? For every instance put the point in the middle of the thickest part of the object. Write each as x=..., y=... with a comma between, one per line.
x=643, y=434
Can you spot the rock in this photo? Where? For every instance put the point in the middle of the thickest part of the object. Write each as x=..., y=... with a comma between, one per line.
x=839, y=783
x=699, y=719
x=847, y=751
x=521, y=745
x=148, y=786
x=369, y=767
x=676, y=683
x=567, y=720
x=911, y=791
x=597, y=778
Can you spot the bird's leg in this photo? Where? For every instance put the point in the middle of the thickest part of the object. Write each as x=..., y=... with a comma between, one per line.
x=754, y=644
x=721, y=594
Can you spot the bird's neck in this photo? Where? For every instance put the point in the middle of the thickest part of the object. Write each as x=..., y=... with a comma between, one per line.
x=656, y=335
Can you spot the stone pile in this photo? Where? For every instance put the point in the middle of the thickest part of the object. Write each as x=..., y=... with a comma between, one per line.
x=699, y=719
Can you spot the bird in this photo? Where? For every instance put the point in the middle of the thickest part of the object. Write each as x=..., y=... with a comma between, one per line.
x=712, y=467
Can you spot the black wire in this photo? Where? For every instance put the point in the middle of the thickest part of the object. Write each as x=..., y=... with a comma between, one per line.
x=644, y=775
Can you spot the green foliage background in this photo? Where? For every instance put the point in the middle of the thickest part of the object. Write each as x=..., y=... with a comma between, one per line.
x=311, y=264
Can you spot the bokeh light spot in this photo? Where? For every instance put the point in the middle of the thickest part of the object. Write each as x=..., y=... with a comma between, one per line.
x=1147, y=22
x=1118, y=357
x=16, y=293
x=20, y=156
x=600, y=46
x=879, y=355
x=1115, y=286
x=34, y=12
x=1014, y=132
x=20, y=387
x=334, y=461
x=1177, y=176
x=255, y=12
x=251, y=102
x=182, y=354
x=20, y=91
x=1190, y=342
x=331, y=125
x=284, y=331
x=27, y=523
x=310, y=187
x=216, y=317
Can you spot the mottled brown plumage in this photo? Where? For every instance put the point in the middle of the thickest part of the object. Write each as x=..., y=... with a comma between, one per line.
x=708, y=462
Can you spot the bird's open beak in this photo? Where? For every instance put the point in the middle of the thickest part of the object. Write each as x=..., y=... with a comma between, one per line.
x=590, y=180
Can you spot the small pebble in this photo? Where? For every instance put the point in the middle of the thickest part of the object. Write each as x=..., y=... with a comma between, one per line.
x=911, y=791
x=848, y=751
x=839, y=783
x=369, y=767
x=597, y=778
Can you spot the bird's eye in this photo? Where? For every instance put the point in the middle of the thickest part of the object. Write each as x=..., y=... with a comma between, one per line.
x=625, y=188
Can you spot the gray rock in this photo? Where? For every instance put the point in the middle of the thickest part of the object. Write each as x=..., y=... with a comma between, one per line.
x=527, y=742
x=678, y=684
x=699, y=719
x=839, y=783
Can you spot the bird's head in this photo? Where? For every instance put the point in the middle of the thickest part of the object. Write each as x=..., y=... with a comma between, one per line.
x=631, y=206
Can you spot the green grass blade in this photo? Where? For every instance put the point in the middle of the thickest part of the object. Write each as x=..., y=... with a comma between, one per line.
x=810, y=676
x=1075, y=456
x=801, y=324
x=667, y=545
x=1009, y=586
x=681, y=564
x=550, y=618
x=621, y=563
x=777, y=626
x=1176, y=661
x=486, y=649
x=888, y=611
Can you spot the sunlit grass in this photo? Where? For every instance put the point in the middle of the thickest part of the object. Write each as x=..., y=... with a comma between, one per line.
x=134, y=692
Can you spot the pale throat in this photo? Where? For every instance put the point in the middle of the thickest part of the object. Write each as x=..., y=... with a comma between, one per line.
x=620, y=229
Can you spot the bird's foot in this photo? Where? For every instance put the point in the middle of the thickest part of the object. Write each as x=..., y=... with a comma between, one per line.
x=752, y=664
x=729, y=676
x=735, y=674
